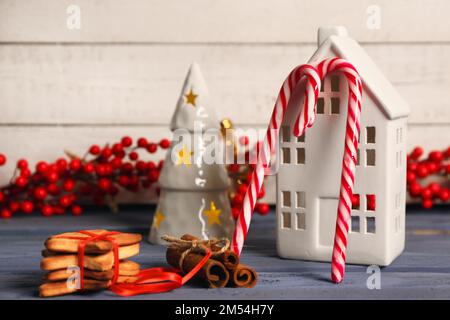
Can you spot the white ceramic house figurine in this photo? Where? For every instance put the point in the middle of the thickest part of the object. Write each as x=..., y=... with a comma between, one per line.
x=194, y=194
x=308, y=179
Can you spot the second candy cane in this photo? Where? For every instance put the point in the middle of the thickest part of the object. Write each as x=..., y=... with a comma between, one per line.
x=305, y=120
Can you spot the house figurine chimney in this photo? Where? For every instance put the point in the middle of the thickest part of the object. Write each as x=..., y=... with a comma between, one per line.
x=327, y=31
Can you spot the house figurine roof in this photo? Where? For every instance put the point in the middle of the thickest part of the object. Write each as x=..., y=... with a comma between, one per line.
x=336, y=39
x=193, y=104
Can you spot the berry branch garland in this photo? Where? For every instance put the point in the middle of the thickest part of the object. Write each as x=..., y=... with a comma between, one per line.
x=58, y=187
x=436, y=165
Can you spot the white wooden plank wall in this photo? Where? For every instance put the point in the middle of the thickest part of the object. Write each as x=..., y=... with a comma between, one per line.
x=122, y=71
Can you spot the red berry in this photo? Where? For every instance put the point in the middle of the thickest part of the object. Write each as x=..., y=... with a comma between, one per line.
x=160, y=164
x=47, y=210
x=444, y=194
x=127, y=141
x=412, y=166
x=242, y=189
x=235, y=212
x=40, y=193
x=238, y=200
x=422, y=171
x=94, y=149
x=427, y=193
x=243, y=140
x=76, y=210
x=68, y=185
x=141, y=166
x=416, y=153
x=116, y=162
x=436, y=156
x=21, y=182
x=415, y=189
x=2, y=159
x=53, y=189
x=151, y=165
x=142, y=143
x=61, y=164
x=52, y=177
x=427, y=203
x=432, y=167
x=14, y=206
x=262, y=208
x=2, y=196
x=41, y=167
x=410, y=177
x=152, y=147
x=447, y=168
x=117, y=148
x=75, y=164
x=435, y=188
x=89, y=168
x=101, y=170
x=164, y=143
x=5, y=214
x=127, y=167
x=124, y=181
x=22, y=164
x=133, y=156
x=104, y=184
x=26, y=173
x=153, y=176
x=27, y=206
x=106, y=153
x=65, y=201
x=233, y=168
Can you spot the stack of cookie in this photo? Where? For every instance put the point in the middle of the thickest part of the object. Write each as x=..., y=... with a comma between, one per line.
x=60, y=260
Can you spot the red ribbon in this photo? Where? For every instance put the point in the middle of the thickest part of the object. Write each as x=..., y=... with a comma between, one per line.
x=106, y=236
x=152, y=280
x=157, y=280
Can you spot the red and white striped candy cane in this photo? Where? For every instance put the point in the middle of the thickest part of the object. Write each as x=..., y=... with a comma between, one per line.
x=348, y=162
x=304, y=120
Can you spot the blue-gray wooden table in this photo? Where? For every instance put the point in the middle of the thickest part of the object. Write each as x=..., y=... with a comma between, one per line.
x=421, y=272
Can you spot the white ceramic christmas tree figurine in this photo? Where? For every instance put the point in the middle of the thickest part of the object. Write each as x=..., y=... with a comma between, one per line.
x=194, y=190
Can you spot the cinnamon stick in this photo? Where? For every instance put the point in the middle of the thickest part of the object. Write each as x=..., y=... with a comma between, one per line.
x=243, y=277
x=213, y=272
x=229, y=258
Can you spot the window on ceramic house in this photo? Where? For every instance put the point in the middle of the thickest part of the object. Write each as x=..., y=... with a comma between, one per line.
x=286, y=155
x=354, y=224
x=286, y=199
x=320, y=108
x=285, y=134
x=286, y=220
x=300, y=205
x=300, y=151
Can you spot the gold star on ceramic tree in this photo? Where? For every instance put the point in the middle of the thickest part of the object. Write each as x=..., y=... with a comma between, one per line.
x=159, y=217
x=191, y=98
x=184, y=156
x=213, y=214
